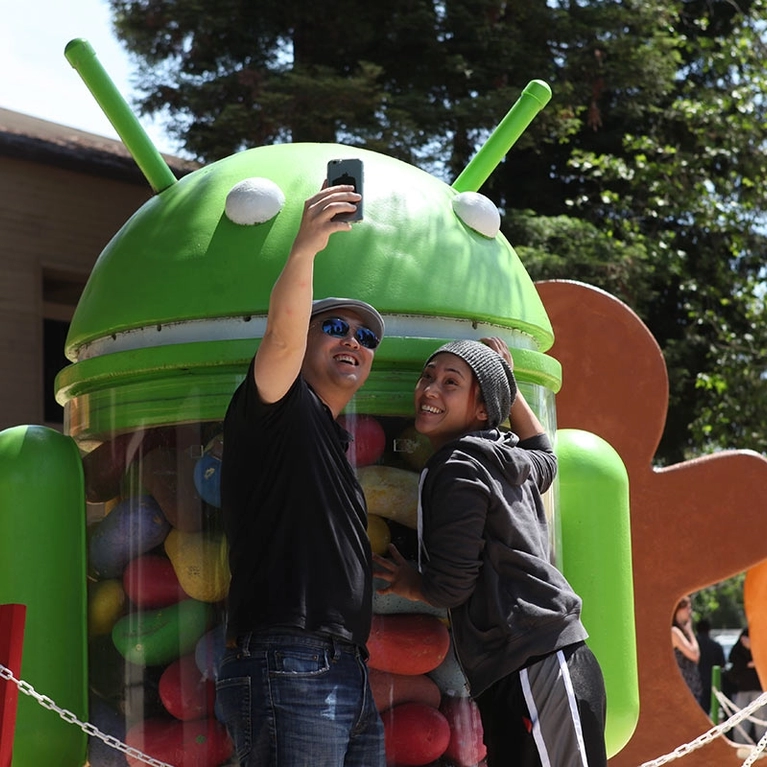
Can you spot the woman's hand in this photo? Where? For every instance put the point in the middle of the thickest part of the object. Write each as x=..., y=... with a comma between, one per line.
x=499, y=346
x=403, y=579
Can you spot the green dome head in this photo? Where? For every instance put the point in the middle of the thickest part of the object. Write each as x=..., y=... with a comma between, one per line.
x=185, y=283
x=193, y=252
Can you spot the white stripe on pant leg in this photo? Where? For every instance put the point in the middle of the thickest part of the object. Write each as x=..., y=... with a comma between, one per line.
x=573, y=706
x=531, y=707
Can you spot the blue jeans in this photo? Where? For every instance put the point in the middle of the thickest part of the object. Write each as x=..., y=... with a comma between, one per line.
x=291, y=698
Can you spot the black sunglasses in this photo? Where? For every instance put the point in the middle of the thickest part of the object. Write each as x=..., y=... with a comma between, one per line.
x=339, y=328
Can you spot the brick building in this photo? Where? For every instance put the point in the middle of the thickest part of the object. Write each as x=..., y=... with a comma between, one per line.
x=63, y=194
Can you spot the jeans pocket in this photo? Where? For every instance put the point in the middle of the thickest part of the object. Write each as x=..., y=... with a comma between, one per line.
x=298, y=661
x=233, y=696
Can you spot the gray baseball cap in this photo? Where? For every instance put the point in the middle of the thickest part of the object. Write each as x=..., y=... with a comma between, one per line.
x=372, y=318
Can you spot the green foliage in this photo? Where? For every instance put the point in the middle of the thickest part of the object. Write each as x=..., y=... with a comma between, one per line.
x=645, y=175
x=568, y=248
x=721, y=603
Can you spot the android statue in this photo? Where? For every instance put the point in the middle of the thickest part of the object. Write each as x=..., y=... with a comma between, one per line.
x=123, y=564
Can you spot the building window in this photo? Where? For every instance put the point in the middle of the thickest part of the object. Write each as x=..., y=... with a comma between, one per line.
x=54, y=336
x=61, y=292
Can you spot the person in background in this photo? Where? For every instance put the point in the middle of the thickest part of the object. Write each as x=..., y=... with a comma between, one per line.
x=748, y=689
x=515, y=619
x=293, y=685
x=685, y=644
x=711, y=654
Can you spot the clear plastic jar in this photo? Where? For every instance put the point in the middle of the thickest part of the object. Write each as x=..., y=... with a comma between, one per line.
x=158, y=579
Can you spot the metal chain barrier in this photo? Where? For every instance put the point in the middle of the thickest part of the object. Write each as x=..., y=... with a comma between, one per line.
x=69, y=717
x=754, y=755
x=715, y=732
x=677, y=753
x=729, y=708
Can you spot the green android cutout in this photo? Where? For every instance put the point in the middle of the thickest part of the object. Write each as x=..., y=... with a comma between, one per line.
x=176, y=303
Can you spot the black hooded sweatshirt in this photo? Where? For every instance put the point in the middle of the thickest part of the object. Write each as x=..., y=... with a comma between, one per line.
x=488, y=554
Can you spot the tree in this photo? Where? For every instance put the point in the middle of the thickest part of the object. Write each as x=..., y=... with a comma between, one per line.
x=721, y=603
x=645, y=175
x=675, y=215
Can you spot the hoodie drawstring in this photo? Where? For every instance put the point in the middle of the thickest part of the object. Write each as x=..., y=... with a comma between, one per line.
x=420, y=520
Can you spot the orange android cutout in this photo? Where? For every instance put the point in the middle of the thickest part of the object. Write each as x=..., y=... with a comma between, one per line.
x=615, y=385
x=755, y=599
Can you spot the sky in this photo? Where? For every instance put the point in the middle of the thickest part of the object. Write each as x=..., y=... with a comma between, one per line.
x=37, y=79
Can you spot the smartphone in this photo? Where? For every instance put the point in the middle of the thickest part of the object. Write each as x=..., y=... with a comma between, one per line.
x=347, y=172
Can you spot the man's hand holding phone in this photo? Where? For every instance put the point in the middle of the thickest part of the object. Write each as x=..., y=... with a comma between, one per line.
x=347, y=172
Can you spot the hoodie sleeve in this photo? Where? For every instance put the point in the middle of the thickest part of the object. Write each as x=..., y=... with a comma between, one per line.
x=456, y=497
x=543, y=461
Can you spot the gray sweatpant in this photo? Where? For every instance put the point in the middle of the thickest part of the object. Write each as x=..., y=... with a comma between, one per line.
x=548, y=714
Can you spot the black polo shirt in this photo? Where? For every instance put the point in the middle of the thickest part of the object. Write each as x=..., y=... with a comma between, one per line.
x=295, y=518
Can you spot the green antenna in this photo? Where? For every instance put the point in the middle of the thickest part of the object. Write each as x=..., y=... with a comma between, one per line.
x=534, y=97
x=82, y=57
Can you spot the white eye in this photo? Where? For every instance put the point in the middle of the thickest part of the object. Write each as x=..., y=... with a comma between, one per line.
x=477, y=212
x=253, y=201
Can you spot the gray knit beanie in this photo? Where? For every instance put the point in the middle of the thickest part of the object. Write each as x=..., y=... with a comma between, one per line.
x=496, y=379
